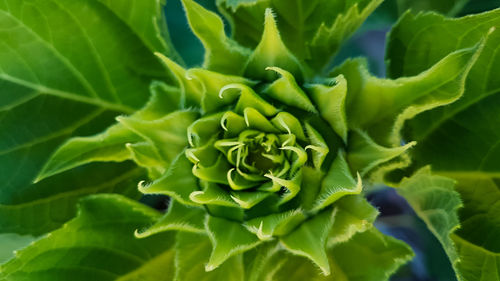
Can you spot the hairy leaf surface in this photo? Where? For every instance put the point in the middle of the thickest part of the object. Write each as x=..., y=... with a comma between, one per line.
x=97, y=245
x=461, y=140
x=369, y=255
x=312, y=29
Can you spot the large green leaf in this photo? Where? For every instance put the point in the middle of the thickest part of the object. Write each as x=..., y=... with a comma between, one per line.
x=381, y=106
x=436, y=203
x=153, y=32
x=469, y=126
x=461, y=140
x=99, y=244
x=477, y=240
x=67, y=67
x=472, y=243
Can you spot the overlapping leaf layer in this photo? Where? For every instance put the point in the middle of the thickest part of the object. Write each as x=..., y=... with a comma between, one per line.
x=262, y=157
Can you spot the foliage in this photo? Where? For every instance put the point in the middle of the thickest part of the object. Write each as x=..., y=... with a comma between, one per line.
x=265, y=151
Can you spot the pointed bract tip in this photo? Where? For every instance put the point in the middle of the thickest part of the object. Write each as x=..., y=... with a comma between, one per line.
x=209, y=267
x=139, y=234
x=269, y=13
x=142, y=186
x=325, y=270
x=38, y=179
x=270, y=21
x=195, y=194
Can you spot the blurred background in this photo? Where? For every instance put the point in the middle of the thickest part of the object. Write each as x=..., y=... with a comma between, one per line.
x=396, y=218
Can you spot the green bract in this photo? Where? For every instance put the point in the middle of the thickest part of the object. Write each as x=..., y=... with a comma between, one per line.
x=264, y=151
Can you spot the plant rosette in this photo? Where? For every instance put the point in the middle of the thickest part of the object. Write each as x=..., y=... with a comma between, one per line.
x=259, y=152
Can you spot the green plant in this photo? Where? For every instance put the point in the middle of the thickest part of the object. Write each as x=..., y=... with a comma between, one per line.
x=265, y=151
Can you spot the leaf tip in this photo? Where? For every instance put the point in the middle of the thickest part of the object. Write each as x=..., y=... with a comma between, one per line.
x=143, y=186
x=209, y=267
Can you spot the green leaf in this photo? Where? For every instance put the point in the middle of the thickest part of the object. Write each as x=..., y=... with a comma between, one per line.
x=287, y=123
x=153, y=32
x=191, y=90
x=229, y=238
x=270, y=52
x=212, y=83
x=178, y=181
x=456, y=127
x=170, y=129
x=255, y=120
x=369, y=255
x=212, y=194
x=104, y=147
x=476, y=240
x=275, y=224
x=111, y=144
x=471, y=242
x=338, y=182
x=330, y=101
x=47, y=205
x=462, y=140
x=97, y=245
x=381, y=106
x=248, y=98
x=436, y=203
x=192, y=252
x=178, y=217
x=262, y=262
x=145, y=155
x=221, y=53
x=247, y=200
x=363, y=154
x=353, y=214
x=60, y=82
x=286, y=90
x=328, y=38
x=309, y=239
x=312, y=30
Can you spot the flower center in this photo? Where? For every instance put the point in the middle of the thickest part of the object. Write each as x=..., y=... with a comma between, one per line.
x=253, y=152
x=259, y=157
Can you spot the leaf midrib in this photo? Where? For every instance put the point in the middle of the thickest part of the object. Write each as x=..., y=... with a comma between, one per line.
x=59, y=133
x=68, y=95
x=64, y=94
x=455, y=236
x=61, y=57
x=97, y=188
x=100, y=63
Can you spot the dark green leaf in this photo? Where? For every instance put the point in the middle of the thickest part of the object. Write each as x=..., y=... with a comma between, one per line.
x=97, y=245
x=461, y=140
x=99, y=68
